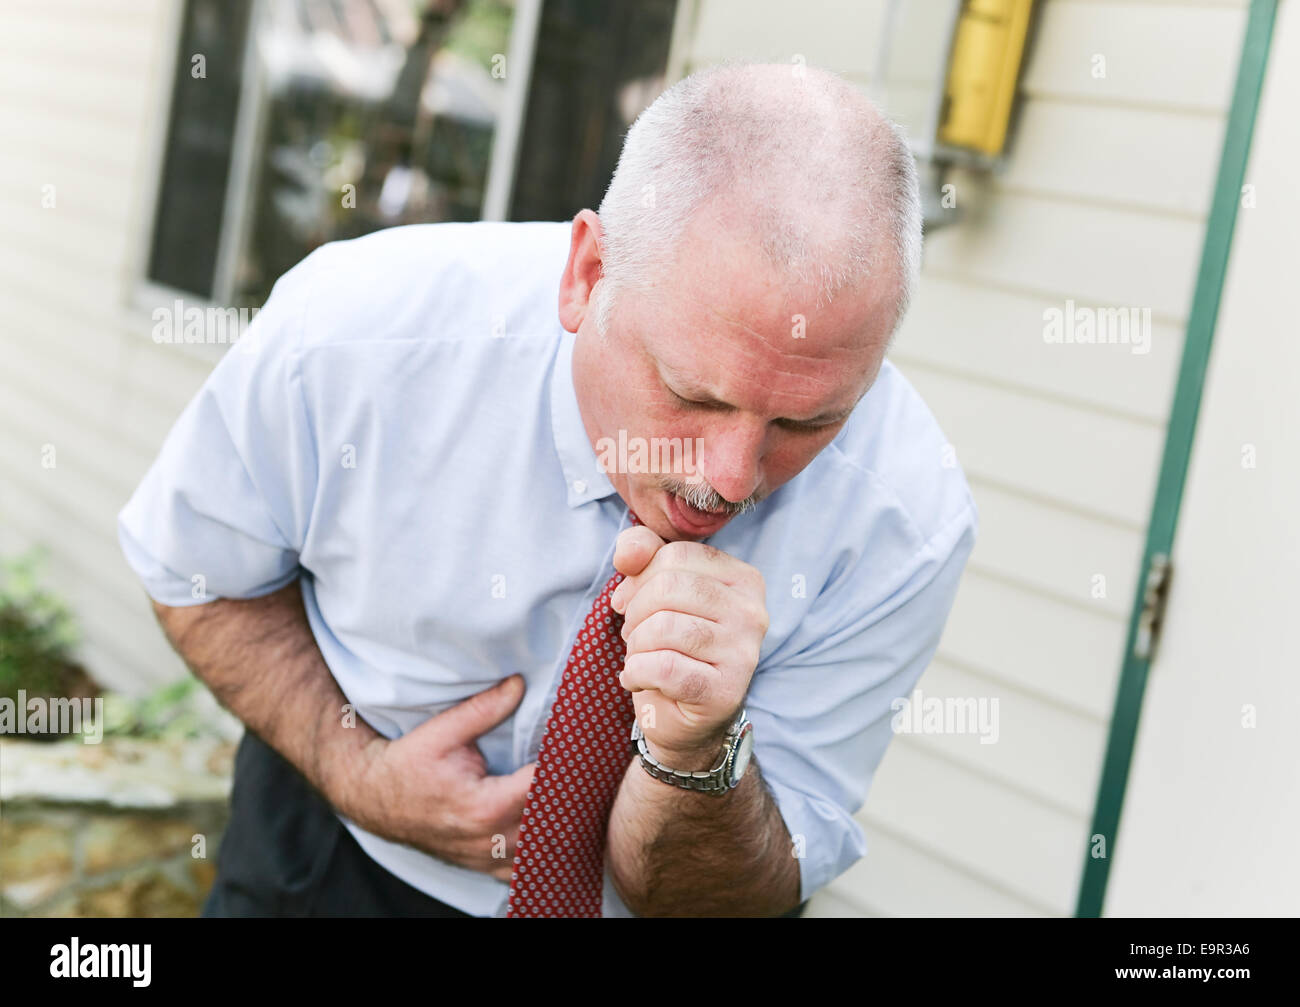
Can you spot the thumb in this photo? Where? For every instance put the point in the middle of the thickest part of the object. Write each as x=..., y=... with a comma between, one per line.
x=479, y=713
x=510, y=790
x=634, y=549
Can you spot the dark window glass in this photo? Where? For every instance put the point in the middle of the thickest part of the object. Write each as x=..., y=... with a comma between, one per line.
x=379, y=113
x=376, y=113
x=598, y=64
x=200, y=137
x=372, y=113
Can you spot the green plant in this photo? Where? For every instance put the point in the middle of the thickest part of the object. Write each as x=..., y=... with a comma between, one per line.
x=37, y=637
x=170, y=711
x=37, y=634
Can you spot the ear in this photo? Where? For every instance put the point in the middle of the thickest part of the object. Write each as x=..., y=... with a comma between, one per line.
x=582, y=271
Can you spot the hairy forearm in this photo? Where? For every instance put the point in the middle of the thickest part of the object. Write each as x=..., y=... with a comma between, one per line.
x=674, y=852
x=261, y=661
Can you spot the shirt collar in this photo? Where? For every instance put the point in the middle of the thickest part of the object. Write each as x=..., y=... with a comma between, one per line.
x=582, y=474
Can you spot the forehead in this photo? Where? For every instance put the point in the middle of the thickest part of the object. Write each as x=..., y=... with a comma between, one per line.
x=721, y=316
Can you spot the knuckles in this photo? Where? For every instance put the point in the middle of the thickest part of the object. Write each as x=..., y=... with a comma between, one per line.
x=684, y=686
x=692, y=688
x=696, y=636
x=735, y=597
x=675, y=553
x=704, y=589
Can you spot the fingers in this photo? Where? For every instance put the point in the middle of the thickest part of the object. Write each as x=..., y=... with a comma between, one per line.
x=473, y=717
x=678, y=591
x=491, y=829
x=674, y=675
x=505, y=795
x=666, y=629
x=492, y=854
x=505, y=872
x=634, y=548
x=694, y=557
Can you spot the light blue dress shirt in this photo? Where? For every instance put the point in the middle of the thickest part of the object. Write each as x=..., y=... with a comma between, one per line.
x=399, y=426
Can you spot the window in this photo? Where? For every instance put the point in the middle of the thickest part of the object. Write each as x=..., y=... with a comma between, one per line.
x=201, y=136
x=298, y=122
x=598, y=64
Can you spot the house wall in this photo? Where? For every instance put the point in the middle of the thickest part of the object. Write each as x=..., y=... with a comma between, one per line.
x=81, y=90
x=1213, y=804
x=1103, y=201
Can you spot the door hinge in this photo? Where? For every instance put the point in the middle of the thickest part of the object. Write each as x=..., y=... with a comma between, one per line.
x=1154, y=596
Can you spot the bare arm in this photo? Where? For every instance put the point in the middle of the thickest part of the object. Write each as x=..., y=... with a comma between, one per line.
x=675, y=852
x=693, y=620
x=262, y=663
x=429, y=788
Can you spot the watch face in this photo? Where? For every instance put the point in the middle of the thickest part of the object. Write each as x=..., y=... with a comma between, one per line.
x=743, y=753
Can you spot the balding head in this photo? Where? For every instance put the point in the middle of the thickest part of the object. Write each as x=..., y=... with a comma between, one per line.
x=739, y=287
x=797, y=160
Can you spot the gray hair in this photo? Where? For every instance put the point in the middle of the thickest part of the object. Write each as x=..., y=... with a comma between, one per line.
x=828, y=182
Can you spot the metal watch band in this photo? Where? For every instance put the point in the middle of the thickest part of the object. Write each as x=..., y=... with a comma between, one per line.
x=710, y=781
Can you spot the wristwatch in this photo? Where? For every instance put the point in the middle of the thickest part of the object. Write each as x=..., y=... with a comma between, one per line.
x=718, y=780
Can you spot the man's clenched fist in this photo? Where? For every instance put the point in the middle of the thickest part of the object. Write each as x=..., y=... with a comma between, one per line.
x=694, y=620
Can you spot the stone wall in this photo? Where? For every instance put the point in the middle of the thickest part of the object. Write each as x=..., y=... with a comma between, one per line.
x=121, y=828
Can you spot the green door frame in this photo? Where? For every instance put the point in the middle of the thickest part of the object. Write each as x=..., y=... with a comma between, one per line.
x=1178, y=447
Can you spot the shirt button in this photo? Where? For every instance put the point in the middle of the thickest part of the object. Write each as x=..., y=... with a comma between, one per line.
x=579, y=486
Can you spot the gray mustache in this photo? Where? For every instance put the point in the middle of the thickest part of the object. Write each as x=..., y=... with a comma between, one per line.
x=702, y=496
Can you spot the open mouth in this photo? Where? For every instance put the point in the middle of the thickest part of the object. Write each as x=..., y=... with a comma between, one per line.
x=692, y=521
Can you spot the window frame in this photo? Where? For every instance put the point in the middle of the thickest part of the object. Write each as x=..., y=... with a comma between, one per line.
x=146, y=294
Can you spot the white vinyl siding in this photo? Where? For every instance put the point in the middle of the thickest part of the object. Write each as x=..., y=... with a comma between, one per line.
x=1213, y=808
x=81, y=83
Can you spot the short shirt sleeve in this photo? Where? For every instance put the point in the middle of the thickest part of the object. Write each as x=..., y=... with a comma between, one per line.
x=822, y=715
x=224, y=508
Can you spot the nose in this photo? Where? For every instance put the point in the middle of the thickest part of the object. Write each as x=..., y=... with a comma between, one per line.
x=730, y=456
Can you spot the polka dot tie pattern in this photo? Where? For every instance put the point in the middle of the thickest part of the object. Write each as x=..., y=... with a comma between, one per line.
x=560, y=862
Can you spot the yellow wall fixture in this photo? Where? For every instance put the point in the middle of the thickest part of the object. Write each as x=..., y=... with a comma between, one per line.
x=987, y=48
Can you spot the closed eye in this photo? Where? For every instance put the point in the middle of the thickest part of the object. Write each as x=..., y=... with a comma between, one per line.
x=793, y=426
x=802, y=427
x=698, y=403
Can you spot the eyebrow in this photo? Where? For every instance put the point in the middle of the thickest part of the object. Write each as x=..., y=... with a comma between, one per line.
x=704, y=398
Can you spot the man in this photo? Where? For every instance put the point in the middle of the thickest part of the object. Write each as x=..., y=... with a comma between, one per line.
x=414, y=534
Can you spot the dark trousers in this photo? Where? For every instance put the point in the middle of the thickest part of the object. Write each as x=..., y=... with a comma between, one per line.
x=285, y=853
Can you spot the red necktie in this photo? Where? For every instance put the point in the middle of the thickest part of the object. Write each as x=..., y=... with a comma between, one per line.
x=560, y=863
